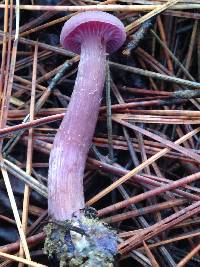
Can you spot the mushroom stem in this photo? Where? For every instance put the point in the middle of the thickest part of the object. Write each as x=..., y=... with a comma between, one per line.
x=74, y=137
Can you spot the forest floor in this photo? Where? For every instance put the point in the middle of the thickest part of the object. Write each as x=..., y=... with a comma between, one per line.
x=142, y=173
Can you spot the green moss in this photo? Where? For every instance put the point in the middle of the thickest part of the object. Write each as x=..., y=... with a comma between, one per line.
x=83, y=242
x=55, y=241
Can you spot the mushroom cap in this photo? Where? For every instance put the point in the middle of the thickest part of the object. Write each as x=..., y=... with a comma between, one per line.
x=96, y=23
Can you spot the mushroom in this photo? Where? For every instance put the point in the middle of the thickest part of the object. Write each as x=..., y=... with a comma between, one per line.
x=91, y=34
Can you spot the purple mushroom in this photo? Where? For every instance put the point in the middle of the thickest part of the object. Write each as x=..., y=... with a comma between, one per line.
x=92, y=35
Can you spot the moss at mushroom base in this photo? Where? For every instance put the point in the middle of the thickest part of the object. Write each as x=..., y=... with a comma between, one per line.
x=81, y=241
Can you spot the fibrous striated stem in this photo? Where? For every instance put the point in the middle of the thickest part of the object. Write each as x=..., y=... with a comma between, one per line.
x=74, y=137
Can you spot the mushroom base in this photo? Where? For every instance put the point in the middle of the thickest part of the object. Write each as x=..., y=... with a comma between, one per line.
x=81, y=241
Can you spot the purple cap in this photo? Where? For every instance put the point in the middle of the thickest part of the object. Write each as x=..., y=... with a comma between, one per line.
x=104, y=25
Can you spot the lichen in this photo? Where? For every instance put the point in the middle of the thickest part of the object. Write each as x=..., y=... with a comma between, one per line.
x=84, y=241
